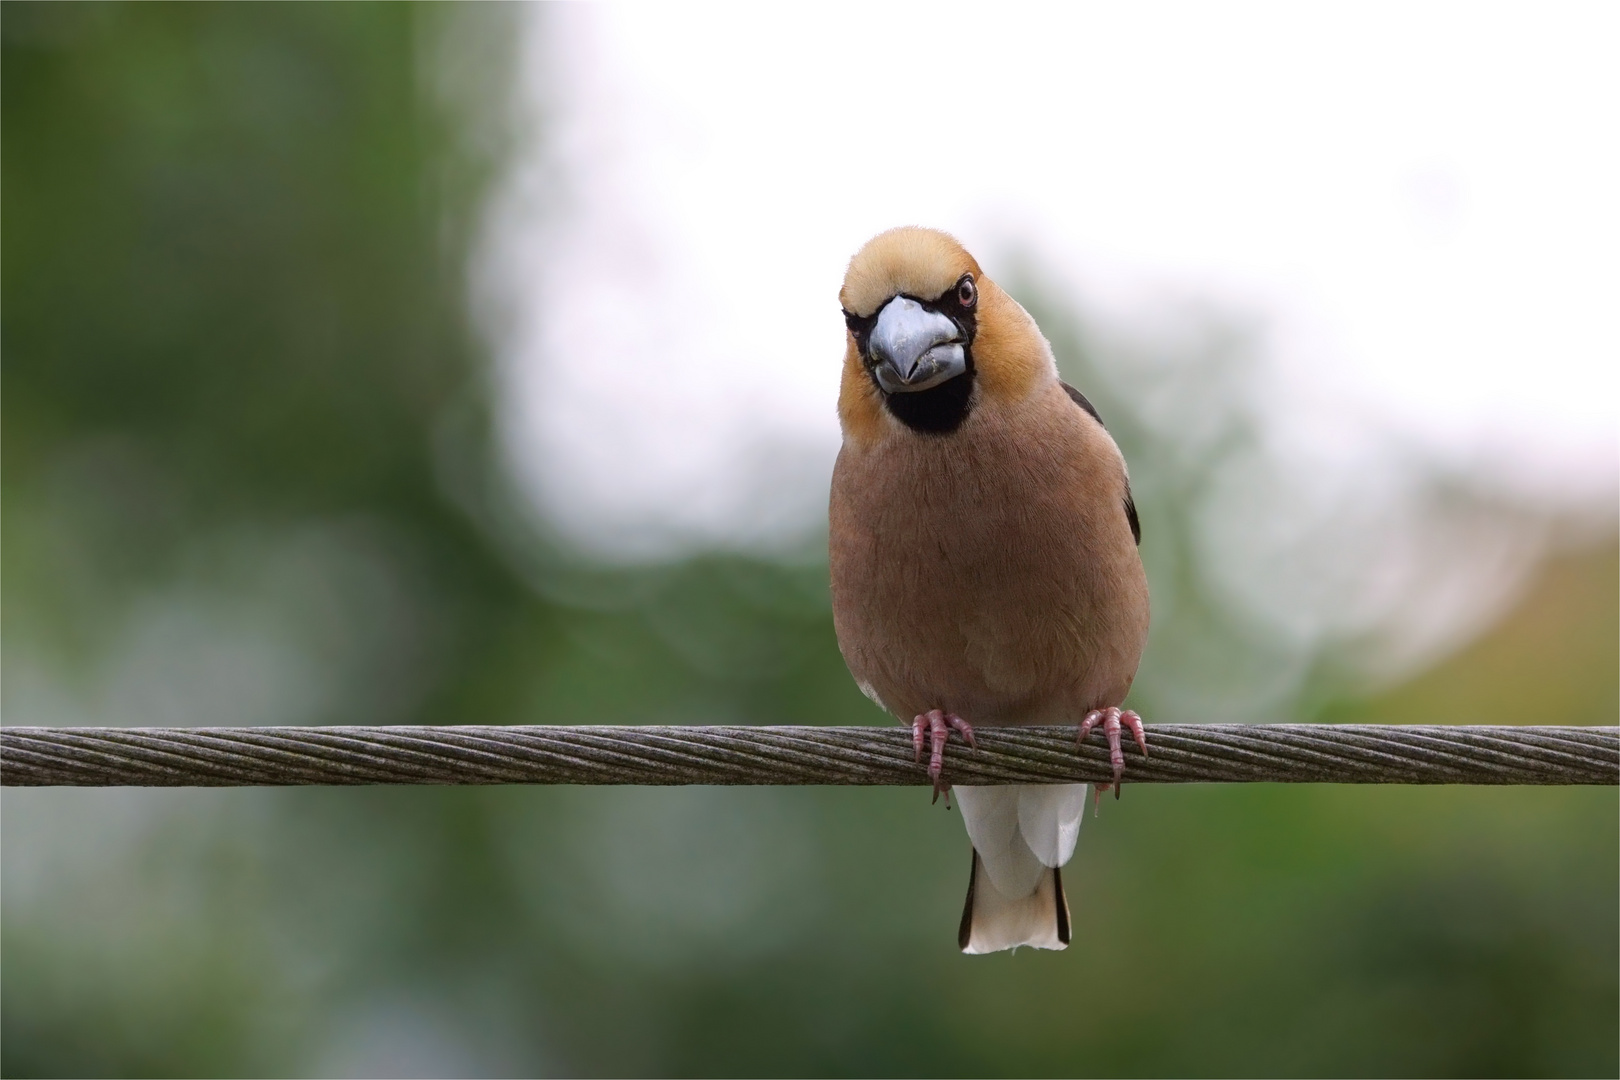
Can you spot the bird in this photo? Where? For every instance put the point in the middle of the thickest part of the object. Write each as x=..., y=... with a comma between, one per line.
x=983, y=549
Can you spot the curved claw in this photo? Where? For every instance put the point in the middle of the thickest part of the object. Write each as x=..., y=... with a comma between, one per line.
x=962, y=728
x=1131, y=720
x=939, y=725
x=1111, y=720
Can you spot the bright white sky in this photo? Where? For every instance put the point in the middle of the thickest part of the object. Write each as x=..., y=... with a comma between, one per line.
x=1418, y=200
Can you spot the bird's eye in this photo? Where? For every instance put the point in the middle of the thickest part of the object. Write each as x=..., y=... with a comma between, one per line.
x=966, y=293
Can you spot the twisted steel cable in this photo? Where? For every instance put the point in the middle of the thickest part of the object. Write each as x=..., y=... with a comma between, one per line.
x=1180, y=753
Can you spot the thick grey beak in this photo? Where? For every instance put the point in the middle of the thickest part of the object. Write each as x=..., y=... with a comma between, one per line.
x=914, y=348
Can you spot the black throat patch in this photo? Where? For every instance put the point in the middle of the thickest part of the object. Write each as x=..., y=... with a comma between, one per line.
x=939, y=410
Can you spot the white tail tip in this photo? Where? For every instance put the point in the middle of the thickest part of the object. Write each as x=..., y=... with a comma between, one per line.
x=992, y=922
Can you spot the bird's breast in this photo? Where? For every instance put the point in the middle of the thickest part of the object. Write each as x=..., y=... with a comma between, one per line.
x=990, y=572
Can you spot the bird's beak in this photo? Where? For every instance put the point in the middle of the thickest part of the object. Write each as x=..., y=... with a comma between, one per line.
x=913, y=348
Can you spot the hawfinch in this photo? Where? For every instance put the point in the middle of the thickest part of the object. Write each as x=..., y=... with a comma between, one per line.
x=984, y=555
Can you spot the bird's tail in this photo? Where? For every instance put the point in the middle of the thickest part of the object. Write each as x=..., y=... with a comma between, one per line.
x=992, y=922
x=1021, y=835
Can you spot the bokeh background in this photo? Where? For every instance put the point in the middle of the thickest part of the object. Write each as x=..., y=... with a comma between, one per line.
x=404, y=364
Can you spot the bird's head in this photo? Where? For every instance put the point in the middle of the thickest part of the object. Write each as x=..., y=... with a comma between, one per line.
x=930, y=337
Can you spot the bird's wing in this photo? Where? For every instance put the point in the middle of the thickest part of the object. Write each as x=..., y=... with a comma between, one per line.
x=1130, y=504
x=1080, y=399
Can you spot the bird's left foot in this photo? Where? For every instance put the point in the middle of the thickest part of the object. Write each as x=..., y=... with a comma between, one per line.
x=1112, y=720
x=938, y=725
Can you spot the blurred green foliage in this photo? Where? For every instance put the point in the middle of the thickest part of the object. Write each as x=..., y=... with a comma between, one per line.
x=248, y=477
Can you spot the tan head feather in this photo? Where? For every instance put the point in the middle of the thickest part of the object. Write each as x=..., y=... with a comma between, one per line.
x=924, y=263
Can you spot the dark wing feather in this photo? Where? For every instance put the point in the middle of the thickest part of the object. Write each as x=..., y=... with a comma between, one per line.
x=1080, y=400
x=1130, y=504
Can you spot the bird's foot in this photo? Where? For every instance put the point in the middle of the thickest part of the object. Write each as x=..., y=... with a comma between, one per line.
x=937, y=726
x=1112, y=720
